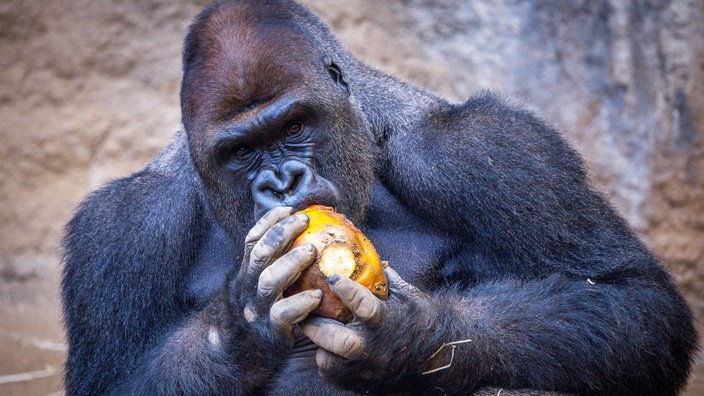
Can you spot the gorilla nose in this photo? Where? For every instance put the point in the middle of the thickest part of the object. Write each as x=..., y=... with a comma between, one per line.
x=281, y=183
x=294, y=184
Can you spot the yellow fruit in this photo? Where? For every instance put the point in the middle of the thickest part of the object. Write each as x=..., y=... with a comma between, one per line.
x=342, y=250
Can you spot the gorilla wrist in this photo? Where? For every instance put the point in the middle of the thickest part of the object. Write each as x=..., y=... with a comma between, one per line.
x=401, y=346
x=258, y=352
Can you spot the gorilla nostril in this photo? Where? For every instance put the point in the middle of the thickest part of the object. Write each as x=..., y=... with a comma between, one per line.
x=294, y=184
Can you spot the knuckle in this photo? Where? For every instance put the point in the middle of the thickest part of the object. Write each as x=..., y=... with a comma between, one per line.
x=327, y=361
x=266, y=284
x=254, y=234
x=323, y=359
x=257, y=259
x=350, y=344
x=250, y=239
x=248, y=246
x=324, y=332
x=261, y=253
x=276, y=314
x=367, y=309
x=275, y=236
x=357, y=297
x=284, y=269
x=374, y=310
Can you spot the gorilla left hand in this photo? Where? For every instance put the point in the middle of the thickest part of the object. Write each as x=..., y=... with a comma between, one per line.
x=387, y=344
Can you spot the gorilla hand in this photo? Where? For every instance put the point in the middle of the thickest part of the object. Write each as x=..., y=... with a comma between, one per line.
x=255, y=293
x=387, y=342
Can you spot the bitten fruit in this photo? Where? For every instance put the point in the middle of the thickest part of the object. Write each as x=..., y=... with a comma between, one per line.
x=342, y=250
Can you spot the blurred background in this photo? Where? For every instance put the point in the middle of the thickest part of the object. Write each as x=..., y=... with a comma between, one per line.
x=89, y=93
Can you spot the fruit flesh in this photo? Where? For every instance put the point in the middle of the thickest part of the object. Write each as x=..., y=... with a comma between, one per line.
x=337, y=259
x=342, y=250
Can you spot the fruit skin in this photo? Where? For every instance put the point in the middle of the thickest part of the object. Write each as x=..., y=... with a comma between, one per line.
x=337, y=239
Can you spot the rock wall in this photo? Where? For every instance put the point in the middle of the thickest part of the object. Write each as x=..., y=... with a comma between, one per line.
x=89, y=92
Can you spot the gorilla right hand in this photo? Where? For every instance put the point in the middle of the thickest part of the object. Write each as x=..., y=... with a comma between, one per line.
x=255, y=293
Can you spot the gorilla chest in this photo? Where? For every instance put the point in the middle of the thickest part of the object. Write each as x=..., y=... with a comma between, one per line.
x=217, y=256
x=414, y=254
x=414, y=248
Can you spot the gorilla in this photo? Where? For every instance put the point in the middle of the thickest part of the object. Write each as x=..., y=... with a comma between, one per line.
x=506, y=268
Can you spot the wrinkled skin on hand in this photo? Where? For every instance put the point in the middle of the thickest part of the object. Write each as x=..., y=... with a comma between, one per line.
x=375, y=351
x=266, y=271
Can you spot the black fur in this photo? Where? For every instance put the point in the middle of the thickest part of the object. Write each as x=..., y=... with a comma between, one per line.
x=480, y=205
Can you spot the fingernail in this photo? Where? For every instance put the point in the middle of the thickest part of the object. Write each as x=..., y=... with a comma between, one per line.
x=318, y=293
x=310, y=247
x=333, y=279
x=302, y=217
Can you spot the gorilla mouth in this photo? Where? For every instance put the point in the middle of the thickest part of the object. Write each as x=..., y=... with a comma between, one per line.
x=325, y=193
x=316, y=201
x=327, y=197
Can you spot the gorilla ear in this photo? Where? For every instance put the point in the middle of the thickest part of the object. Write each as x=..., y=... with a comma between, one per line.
x=336, y=74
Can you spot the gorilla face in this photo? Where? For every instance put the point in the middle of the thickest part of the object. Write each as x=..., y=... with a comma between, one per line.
x=270, y=121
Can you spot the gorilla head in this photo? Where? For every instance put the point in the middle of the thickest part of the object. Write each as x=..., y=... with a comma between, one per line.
x=270, y=117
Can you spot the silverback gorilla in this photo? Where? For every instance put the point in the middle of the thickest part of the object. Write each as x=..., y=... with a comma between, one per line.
x=173, y=276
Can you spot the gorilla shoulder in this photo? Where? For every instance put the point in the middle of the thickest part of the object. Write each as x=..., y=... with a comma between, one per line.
x=152, y=201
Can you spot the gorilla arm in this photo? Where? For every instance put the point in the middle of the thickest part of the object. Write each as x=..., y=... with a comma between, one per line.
x=553, y=334
x=239, y=341
x=129, y=332
x=551, y=287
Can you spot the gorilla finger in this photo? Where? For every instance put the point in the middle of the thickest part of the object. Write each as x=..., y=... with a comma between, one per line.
x=397, y=283
x=326, y=360
x=291, y=310
x=334, y=336
x=275, y=241
x=359, y=299
x=284, y=271
x=270, y=218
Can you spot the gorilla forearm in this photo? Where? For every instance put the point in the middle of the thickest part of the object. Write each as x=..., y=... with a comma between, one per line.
x=245, y=334
x=126, y=309
x=193, y=359
x=116, y=301
x=614, y=335
x=206, y=355
x=571, y=335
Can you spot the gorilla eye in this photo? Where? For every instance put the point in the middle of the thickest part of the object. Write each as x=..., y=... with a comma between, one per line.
x=241, y=152
x=294, y=128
